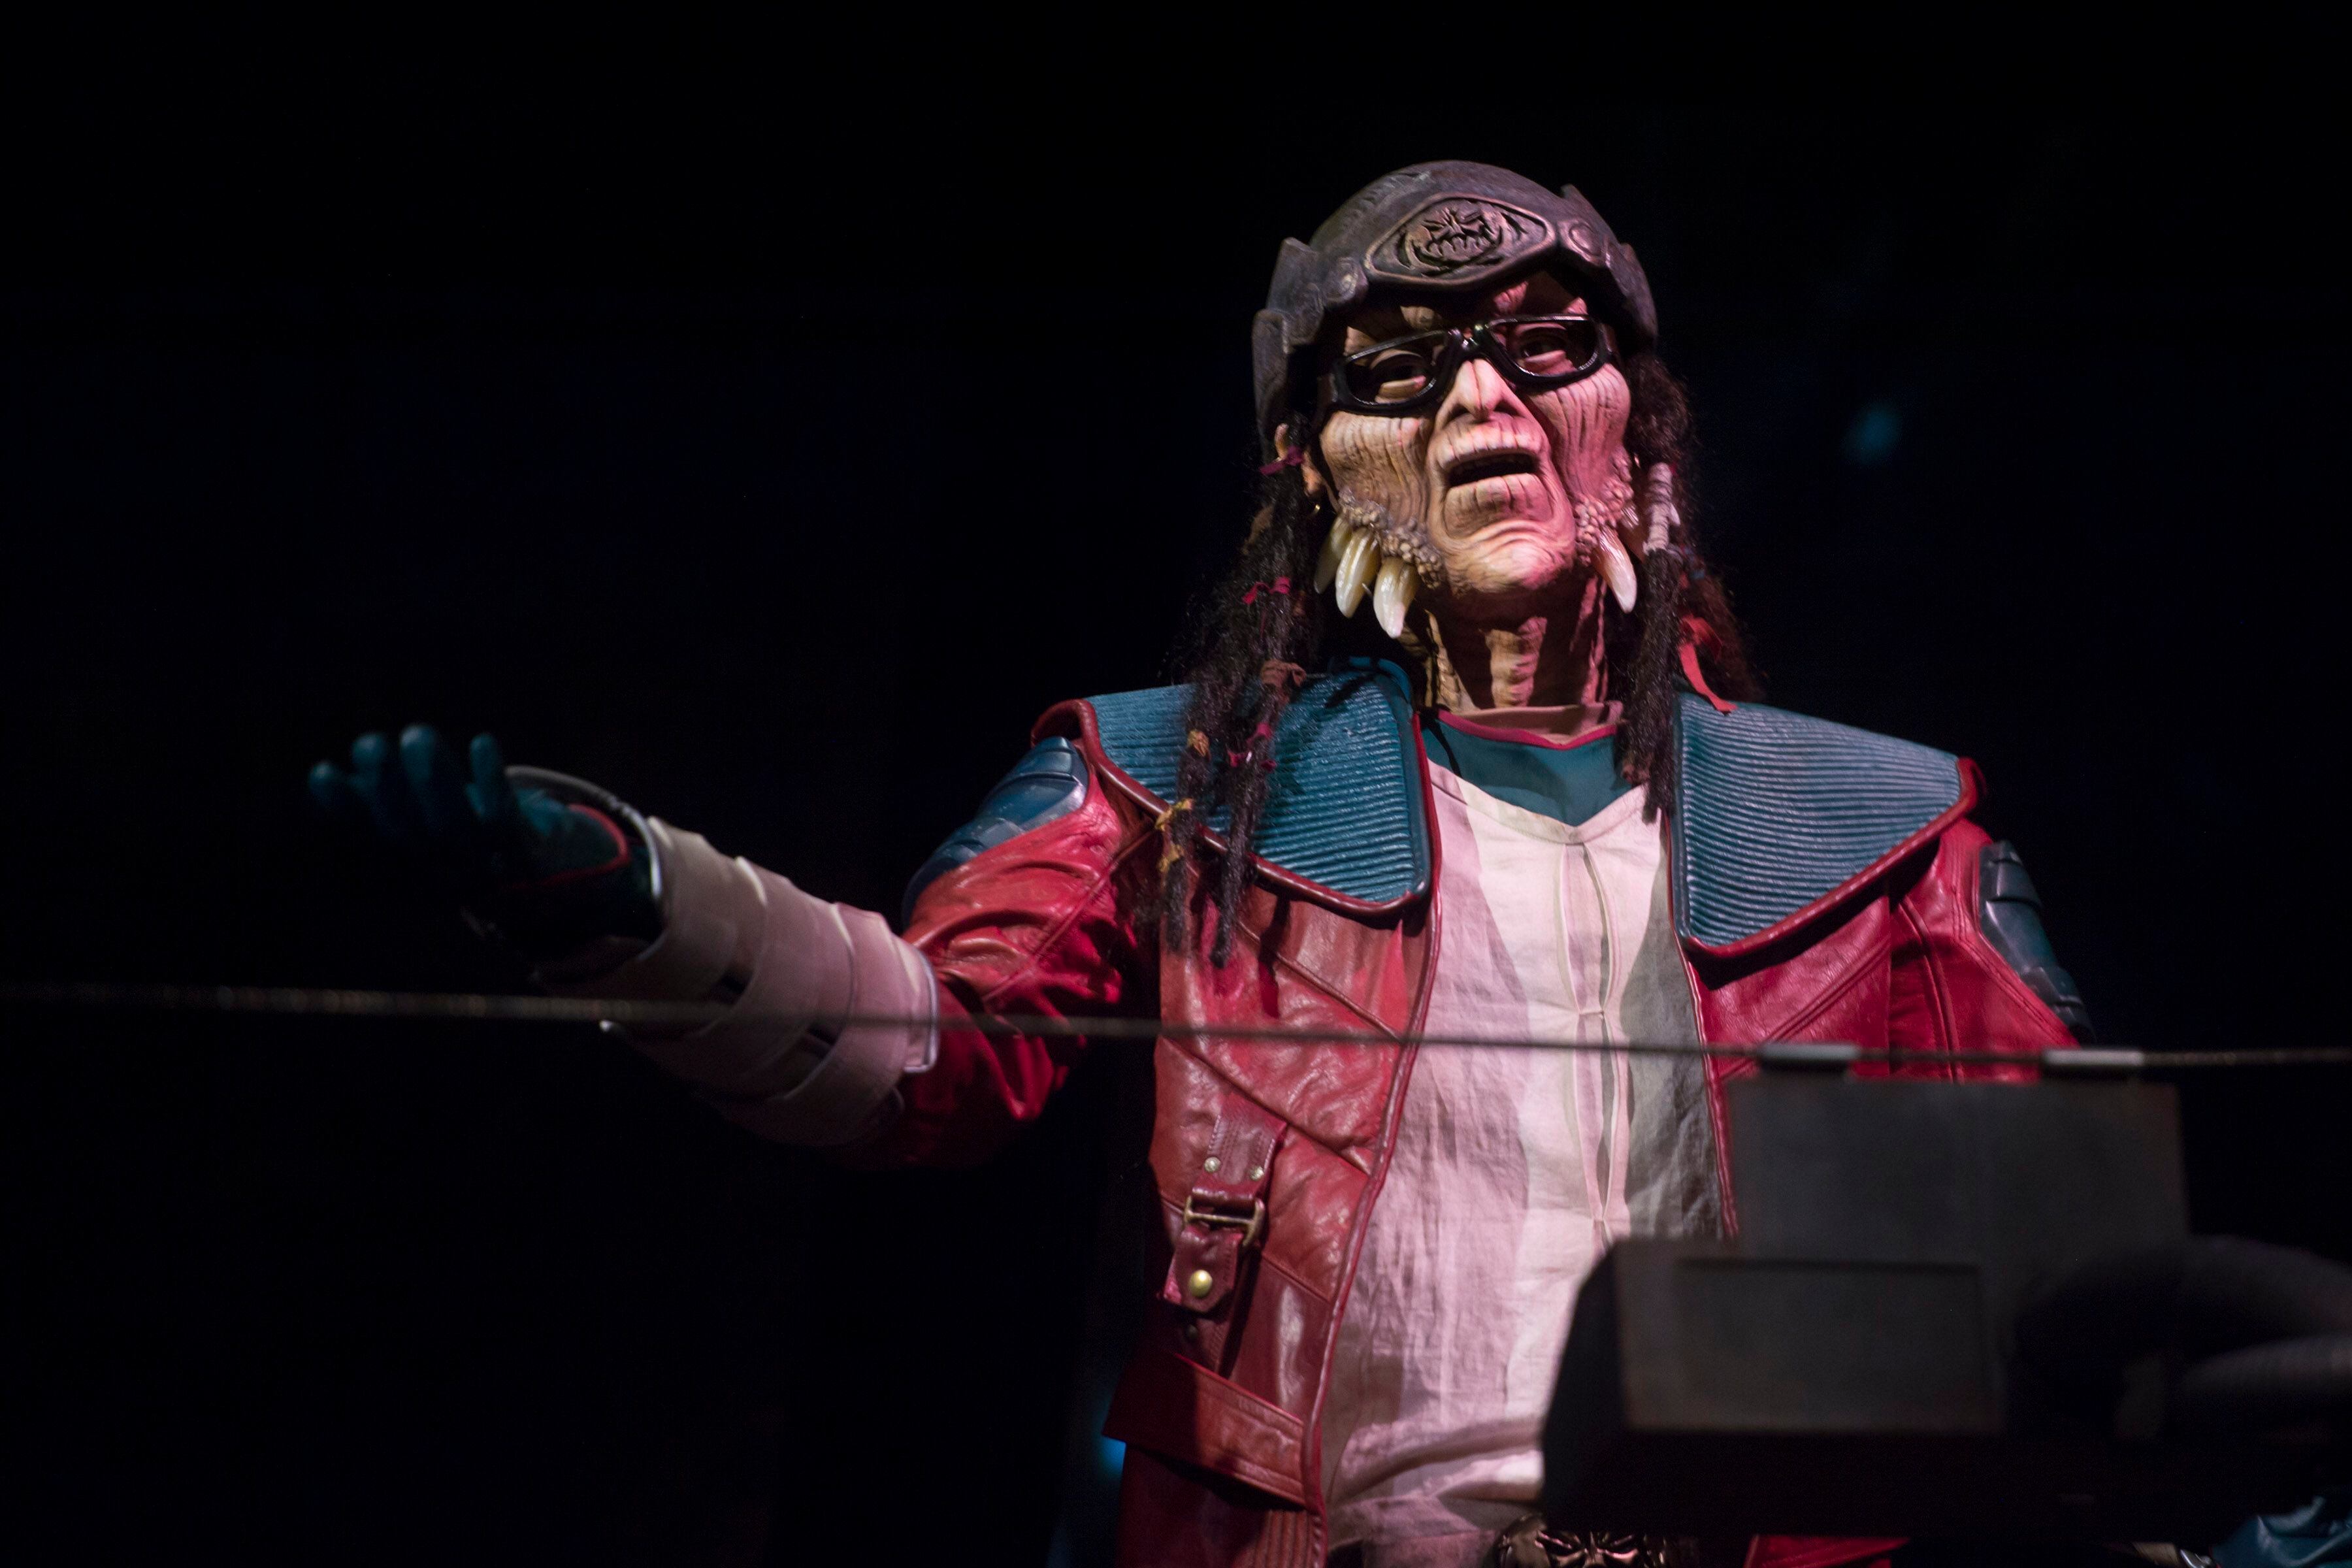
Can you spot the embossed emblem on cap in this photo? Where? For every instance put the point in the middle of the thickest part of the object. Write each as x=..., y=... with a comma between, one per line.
x=1455, y=234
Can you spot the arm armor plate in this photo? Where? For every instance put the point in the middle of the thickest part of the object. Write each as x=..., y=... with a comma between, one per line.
x=2008, y=912
x=1047, y=784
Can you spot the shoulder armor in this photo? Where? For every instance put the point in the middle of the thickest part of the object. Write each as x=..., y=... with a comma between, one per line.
x=1047, y=784
x=1347, y=822
x=1777, y=815
x=2009, y=913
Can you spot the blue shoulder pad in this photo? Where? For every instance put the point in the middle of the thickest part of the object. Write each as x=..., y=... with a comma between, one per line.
x=1049, y=783
x=1775, y=812
x=1346, y=815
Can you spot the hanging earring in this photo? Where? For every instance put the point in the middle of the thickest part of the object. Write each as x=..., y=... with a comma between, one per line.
x=1657, y=509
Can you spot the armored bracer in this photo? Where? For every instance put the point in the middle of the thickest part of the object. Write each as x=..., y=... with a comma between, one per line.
x=826, y=1009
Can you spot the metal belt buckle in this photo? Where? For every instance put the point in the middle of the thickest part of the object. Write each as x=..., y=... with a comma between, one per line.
x=1250, y=1225
x=1527, y=1543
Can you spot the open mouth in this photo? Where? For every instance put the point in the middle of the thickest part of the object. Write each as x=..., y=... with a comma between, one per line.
x=1494, y=465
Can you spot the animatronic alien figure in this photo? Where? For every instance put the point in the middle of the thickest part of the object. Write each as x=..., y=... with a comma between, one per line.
x=1552, y=812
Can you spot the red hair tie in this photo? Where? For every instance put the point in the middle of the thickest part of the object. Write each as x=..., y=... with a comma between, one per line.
x=1279, y=585
x=1697, y=632
x=1289, y=460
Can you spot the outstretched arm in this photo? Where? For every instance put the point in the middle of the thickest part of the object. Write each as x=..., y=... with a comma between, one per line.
x=834, y=1033
x=609, y=903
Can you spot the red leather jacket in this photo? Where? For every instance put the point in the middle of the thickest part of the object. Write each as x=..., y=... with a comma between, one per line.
x=1221, y=1404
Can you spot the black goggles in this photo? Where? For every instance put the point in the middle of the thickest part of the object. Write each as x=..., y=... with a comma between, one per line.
x=1534, y=354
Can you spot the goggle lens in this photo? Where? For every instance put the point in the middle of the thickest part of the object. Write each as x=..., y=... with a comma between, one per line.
x=1533, y=349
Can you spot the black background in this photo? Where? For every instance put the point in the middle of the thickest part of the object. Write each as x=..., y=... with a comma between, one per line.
x=775, y=466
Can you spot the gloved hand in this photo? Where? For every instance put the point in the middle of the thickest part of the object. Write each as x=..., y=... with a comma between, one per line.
x=549, y=875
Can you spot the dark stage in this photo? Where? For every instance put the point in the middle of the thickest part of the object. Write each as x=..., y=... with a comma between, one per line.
x=777, y=480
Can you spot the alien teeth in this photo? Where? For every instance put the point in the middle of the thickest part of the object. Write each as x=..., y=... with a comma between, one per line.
x=1356, y=571
x=1335, y=546
x=1615, y=567
x=1391, y=593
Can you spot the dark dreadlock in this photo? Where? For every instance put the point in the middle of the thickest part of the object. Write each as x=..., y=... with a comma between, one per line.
x=1260, y=626
x=1259, y=630
x=1680, y=601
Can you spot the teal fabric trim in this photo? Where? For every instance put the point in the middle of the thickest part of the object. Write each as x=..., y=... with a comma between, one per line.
x=1568, y=783
x=1346, y=814
x=1776, y=810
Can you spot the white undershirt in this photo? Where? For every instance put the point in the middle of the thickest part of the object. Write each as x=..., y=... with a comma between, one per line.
x=1514, y=1169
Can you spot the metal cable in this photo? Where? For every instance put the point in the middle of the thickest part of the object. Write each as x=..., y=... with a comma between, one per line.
x=457, y=1007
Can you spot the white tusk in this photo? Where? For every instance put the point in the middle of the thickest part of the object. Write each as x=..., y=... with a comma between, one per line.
x=1616, y=568
x=1356, y=570
x=1335, y=545
x=1391, y=593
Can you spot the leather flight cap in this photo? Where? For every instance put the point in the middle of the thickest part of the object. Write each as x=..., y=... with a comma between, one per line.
x=1437, y=228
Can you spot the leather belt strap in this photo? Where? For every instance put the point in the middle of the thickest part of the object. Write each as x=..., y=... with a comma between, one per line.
x=1224, y=1215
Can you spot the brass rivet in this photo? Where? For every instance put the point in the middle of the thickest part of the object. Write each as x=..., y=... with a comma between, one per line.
x=1192, y=1330
x=1199, y=1283
x=1257, y=1172
x=1210, y=1164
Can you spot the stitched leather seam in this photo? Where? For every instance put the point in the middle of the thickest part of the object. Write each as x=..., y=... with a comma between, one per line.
x=1138, y=838
x=1945, y=1027
x=1285, y=960
x=1259, y=1412
x=1191, y=1049
x=1875, y=953
x=1229, y=1396
x=2009, y=980
x=1225, y=1390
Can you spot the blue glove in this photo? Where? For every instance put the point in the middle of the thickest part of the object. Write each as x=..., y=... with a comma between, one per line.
x=551, y=876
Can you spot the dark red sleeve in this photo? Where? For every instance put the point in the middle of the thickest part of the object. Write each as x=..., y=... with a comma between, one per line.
x=1040, y=924
x=1951, y=990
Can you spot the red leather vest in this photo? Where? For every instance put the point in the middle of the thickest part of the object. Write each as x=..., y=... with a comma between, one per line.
x=1268, y=1155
